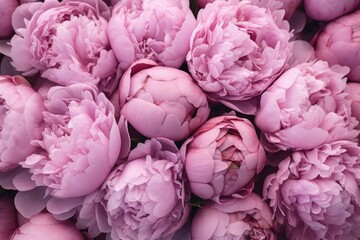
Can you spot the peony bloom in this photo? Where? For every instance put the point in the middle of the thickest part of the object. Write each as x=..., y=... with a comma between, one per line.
x=66, y=41
x=8, y=220
x=305, y=107
x=21, y=120
x=315, y=193
x=237, y=50
x=158, y=30
x=81, y=140
x=44, y=226
x=145, y=198
x=326, y=10
x=6, y=10
x=222, y=158
x=162, y=101
x=234, y=218
x=338, y=43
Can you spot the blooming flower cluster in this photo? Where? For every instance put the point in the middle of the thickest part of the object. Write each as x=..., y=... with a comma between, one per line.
x=179, y=119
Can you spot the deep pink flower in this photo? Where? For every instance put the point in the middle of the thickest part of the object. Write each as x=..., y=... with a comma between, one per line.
x=44, y=226
x=222, y=158
x=305, y=107
x=315, y=193
x=66, y=41
x=20, y=120
x=234, y=218
x=326, y=10
x=144, y=198
x=338, y=43
x=6, y=10
x=237, y=50
x=155, y=29
x=161, y=101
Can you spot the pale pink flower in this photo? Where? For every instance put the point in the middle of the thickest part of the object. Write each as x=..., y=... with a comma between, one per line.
x=21, y=120
x=234, y=218
x=155, y=29
x=65, y=41
x=305, y=107
x=237, y=50
x=45, y=226
x=80, y=144
x=162, y=101
x=223, y=157
x=315, y=193
x=144, y=198
x=338, y=43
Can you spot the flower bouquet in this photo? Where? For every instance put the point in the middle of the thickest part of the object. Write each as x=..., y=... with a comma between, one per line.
x=179, y=120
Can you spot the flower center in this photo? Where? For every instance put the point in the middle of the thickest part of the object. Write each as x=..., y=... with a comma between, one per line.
x=146, y=49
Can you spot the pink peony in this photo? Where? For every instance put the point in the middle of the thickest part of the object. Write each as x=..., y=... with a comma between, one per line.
x=158, y=30
x=326, y=10
x=234, y=218
x=6, y=10
x=44, y=226
x=237, y=50
x=305, y=107
x=315, y=193
x=222, y=158
x=145, y=198
x=162, y=101
x=21, y=120
x=338, y=43
x=8, y=220
x=80, y=144
x=66, y=41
